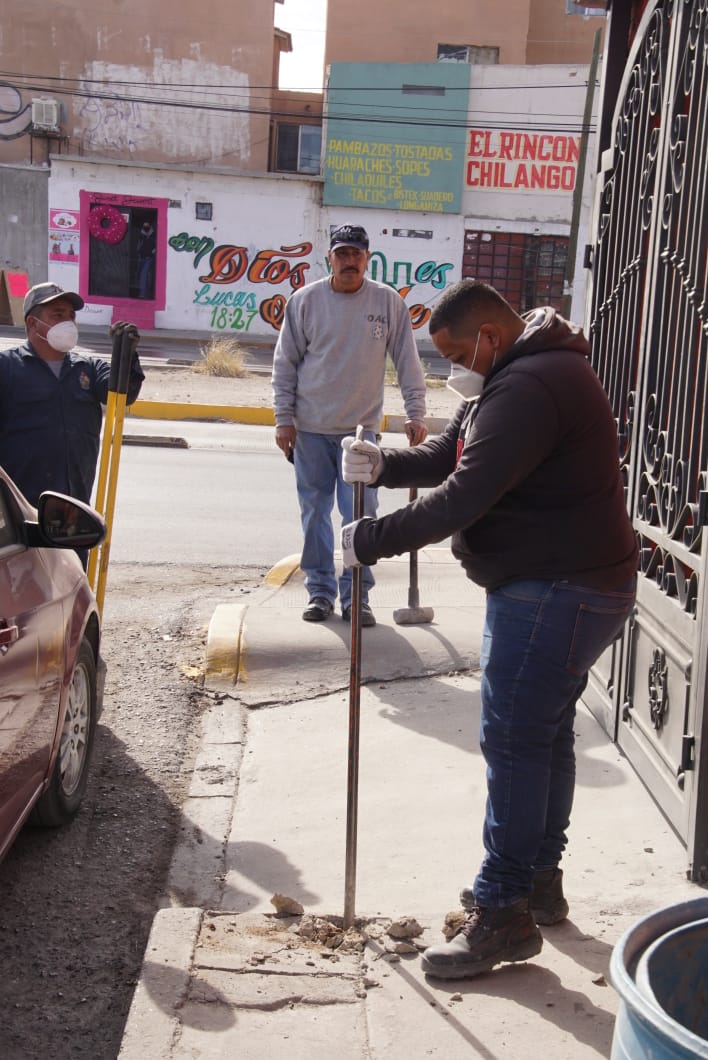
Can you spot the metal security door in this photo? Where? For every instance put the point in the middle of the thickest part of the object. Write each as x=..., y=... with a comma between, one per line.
x=649, y=333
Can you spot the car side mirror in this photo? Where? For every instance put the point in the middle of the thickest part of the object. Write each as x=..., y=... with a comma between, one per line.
x=65, y=522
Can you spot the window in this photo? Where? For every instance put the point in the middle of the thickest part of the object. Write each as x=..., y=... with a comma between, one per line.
x=528, y=270
x=298, y=148
x=453, y=53
x=477, y=55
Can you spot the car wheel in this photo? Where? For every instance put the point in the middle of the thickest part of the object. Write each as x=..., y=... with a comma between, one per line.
x=68, y=782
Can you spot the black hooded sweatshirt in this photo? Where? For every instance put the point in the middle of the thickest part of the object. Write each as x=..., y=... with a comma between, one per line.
x=527, y=479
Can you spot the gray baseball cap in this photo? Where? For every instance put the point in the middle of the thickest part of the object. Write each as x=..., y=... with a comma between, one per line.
x=42, y=293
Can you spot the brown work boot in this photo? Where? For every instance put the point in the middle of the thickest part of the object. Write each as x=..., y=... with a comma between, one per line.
x=489, y=937
x=548, y=904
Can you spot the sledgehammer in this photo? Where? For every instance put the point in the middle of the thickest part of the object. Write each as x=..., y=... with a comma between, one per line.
x=414, y=614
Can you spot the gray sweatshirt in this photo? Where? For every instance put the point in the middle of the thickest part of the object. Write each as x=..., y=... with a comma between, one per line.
x=330, y=358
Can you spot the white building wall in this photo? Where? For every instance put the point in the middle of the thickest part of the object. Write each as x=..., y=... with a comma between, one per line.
x=524, y=144
x=268, y=235
x=524, y=125
x=264, y=239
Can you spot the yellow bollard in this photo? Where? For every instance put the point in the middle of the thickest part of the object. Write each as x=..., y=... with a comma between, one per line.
x=125, y=338
x=99, y=503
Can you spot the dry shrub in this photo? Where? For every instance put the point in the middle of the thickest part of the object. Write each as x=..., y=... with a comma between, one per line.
x=222, y=356
x=390, y=377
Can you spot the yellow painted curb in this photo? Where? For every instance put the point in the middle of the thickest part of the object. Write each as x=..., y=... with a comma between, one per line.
x=223, y=651
x=186, y=410
x=226, y=636
x=397, y=424
x=261, y=416
x=283, y=570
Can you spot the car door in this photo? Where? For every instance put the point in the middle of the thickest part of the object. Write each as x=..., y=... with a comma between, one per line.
x=31, y=661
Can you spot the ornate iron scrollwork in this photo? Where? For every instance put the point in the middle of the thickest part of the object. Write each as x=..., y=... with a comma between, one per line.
x=658, y=689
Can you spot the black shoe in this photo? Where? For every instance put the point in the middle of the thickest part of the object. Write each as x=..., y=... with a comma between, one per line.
x=318, y=610
x=548, y=904
x=368, y=617
x=489, y=937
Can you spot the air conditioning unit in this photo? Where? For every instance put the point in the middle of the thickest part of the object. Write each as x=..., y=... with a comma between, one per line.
x=46, y=113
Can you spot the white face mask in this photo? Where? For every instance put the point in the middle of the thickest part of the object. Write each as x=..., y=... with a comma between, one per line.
x=63, y=337
x=465, y=381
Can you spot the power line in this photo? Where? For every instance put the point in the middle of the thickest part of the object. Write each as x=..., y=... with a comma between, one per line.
x=351, y=115
x=582, y=85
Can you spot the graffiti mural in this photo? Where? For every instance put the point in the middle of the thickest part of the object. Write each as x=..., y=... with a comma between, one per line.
x=429, y=272
x=226, y=264
x=15, y=120
x=107, y=124
x=221, y=266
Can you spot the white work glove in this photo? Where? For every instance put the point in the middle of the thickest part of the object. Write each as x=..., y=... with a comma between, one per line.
x=361, y=461
x=349, y=556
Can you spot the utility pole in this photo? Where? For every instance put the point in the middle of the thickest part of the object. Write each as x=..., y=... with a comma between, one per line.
x=579, y=182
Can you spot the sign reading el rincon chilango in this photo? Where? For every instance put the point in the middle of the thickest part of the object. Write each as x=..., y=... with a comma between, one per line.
x=508, y=160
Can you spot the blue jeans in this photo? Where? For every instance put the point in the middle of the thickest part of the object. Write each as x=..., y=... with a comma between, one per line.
x=318, y=477
x=540, y=639
x=145, y=268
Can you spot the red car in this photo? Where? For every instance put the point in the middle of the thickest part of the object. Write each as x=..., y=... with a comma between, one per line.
x=51, y=673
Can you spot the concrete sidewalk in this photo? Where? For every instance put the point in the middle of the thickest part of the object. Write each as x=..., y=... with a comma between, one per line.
x=224, y=976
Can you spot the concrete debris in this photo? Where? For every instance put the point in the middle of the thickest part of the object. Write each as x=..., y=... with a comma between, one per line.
x=285, y=906
x=397, y=936
x=406, y=927
x=329, y=934
x=375, y=931
x=402, y=947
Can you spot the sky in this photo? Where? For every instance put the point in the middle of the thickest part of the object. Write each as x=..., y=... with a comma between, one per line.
x=305, y=21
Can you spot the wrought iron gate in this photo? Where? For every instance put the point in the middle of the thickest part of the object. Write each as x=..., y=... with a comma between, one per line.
x=649, y=331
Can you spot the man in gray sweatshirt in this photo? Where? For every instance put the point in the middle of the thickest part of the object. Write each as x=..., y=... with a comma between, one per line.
x=328, y=377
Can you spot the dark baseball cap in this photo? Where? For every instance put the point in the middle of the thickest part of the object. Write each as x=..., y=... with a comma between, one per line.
x=349, y=236
x=42, y=293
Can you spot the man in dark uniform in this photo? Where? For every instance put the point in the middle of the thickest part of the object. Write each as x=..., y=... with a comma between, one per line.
x=50, y=400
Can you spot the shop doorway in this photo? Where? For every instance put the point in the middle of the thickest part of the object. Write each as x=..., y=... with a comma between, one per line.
x=125, y=264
